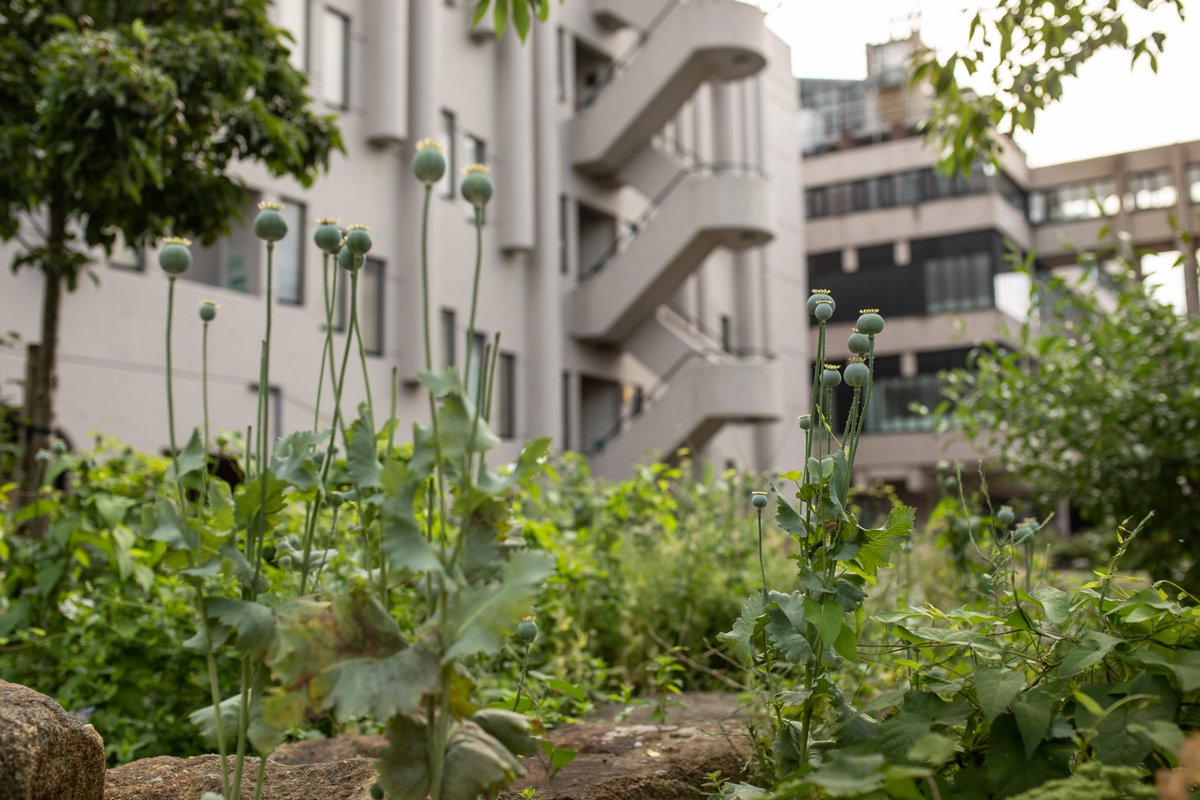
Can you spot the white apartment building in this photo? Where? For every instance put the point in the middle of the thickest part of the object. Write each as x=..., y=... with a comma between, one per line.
x=935, y=253
x=643, y=257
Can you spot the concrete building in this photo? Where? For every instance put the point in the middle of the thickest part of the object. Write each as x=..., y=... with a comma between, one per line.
x=936, y=253
x=642, y=256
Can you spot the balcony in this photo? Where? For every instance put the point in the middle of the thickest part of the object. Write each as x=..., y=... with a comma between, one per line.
x=700, y=395
x=703, y=209
x=691, y=43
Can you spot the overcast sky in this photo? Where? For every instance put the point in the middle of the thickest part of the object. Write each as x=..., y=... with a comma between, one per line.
x=1106, y=109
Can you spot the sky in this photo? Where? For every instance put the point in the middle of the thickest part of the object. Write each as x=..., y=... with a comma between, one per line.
x=1106, y=109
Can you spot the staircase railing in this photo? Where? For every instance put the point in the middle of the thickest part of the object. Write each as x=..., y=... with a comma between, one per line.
x=660, y=387
x=617, y=67
x=633, y=229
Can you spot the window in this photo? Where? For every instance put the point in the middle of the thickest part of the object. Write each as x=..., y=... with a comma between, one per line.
x=726, y=333
x=335, y=59
x=446, y=184
x=824, y=265
x=566, y=410
x=474, y=152
x=275, y=403
x=474, y=381
x=1147, y=190
x=125, y=257
x=560, y=63
x=289, y=256
x=1191, y=179
x=958, y=283
x=816, y=203
x=293, y=18
x=1087, y=200
x=505, y=402
x=564, y=234
x=879, y=256
x=449, y=338
x=370, y=305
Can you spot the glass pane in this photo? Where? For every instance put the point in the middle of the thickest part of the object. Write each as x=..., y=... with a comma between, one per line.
x=446, y=184
x=334, y=50
x=293, y=18
x=370, y=306
x=289, y=256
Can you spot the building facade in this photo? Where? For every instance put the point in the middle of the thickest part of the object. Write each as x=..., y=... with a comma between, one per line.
x=642, y=256
x=937, y=253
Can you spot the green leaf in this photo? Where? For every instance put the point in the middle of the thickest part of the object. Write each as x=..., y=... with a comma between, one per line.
x=510, y=729
x=292, y=459
x=521, y=17
x=1033, y=711
x=746, y=629
x=485, y=614
x=460, y=431
x=849, y=775
x=254, y=623
x=404, y=540
x=380, y=687
x=826, y=617
x=192, y=460
x=883, y=543
x=933, y=749
x=404, y=764
x=788, y=630
x=1008, y=769
x=1055, y=604
x=477, y=764
x=996, y=688
x=1091, y=649
x=362, y=461
x=846, y=644
x=788, y=518
x=169, y=527
x=112, y=508
x=1181, y=665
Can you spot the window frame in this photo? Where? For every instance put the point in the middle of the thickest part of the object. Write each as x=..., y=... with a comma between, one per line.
x=299, y=237
x=341, y=103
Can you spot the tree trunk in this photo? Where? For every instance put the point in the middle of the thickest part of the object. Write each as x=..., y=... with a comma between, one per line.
x=41, y=369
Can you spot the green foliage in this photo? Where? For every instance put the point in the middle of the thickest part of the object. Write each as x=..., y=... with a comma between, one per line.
x=522, y=13
x=1088, y=407
x=128, y=115
x=1017, y=57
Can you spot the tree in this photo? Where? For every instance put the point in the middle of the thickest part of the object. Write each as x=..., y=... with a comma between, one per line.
x=125, y=118
x=1022, y=50
x=1100, y=405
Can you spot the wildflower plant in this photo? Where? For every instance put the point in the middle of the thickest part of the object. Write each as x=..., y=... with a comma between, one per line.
x=441, y=578
x=796, y=643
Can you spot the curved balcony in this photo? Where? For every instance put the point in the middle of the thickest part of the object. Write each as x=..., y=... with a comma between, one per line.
x=695, y=42
x=701, y=211
x=690, y=408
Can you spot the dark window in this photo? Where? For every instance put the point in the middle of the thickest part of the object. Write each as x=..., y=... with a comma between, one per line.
x=880, y=256
x=448, y=139
x=564, y=234
x=726, y=333
x=449, y=337
x=566, y=410
x=370, y=305
x=506, y=396
x=823, y=265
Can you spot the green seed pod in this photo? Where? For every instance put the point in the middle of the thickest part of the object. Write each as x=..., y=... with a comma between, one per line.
x=376, y=792
x=336, y=499
x=1023, y=534
x=269, y=225
x=477, y=185
x=857, y=374
x=870, y=322
x=285, y=562
x=208, y=310
x=59, y=447
x=806, y=422
x=758, y=499
x=816, y=296
x=1005, y=516
x=831, y=377
x=429, y=165
x=348, y=260
x=358, y=240
x=823, y=311
x=527, y=631
x=175, y=257
x=859, y=343
x=328, y=236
